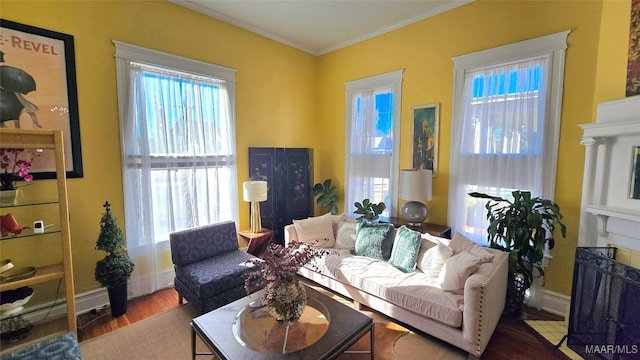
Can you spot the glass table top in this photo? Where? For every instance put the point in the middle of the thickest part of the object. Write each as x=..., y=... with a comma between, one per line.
x=256, y=329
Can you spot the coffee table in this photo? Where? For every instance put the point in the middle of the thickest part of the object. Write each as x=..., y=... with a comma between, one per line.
x=220, y=331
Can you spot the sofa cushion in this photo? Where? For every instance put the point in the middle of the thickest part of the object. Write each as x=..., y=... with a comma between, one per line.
x=434, y=259
x=406, y=247
x=346, y=235
x=374, y=240
x=457, y=269
x=316, y=230
x=408, y=290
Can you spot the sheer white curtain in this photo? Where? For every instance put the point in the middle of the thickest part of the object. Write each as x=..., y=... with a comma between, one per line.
x=372, y=151
x=179, y=161
x=498, y=140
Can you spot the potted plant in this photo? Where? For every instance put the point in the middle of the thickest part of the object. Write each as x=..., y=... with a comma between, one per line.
x=285, y=296
x=14, y=166
x=368, y=211
x=521, y=227
x=328, y=197
x=114, y=270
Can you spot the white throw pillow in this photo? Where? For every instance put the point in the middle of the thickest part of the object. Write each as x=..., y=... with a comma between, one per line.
x=434, y=259
x=335, y=221
x=457, y=269
x=459, y=242
x=316, y=231
x=346, y=238
x=425, y=245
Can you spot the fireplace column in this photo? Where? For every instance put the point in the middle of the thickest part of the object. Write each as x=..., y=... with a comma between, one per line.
x=591, y=189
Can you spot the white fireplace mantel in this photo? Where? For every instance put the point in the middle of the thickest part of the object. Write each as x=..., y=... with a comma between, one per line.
x=609, y=216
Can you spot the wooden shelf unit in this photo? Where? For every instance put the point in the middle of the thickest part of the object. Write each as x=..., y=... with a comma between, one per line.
x=47, y=139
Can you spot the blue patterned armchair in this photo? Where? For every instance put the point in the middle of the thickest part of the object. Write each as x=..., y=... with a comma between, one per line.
x=209, y=265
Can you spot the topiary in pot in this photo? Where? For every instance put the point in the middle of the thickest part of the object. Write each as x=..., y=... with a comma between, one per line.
x=368, y=211
x=521, y=228
x=114, y=270
x=328, y=197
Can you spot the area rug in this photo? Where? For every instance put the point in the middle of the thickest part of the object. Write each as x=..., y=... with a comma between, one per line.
x=168, y=336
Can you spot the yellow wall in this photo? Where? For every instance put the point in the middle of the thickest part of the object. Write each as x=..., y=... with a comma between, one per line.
x=275, y=93
x=595, y=57
x=289, y=98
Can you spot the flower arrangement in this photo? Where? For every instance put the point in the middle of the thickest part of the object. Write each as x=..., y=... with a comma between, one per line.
x=15, y=166
x=285, y=296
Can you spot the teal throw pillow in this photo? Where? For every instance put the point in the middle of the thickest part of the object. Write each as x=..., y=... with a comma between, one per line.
x=374, y=240
x=406, y=248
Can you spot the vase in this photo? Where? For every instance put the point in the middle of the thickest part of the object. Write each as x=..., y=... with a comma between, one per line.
x=8, y=197
x=515, y=295
x=286, y=301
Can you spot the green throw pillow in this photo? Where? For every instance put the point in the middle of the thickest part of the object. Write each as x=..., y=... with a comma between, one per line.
x=406, y=247
x=374, y=240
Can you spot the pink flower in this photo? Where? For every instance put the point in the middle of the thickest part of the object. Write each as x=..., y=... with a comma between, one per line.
x=15, y=164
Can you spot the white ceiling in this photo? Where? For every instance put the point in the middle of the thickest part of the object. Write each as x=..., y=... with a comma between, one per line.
x=320, y=26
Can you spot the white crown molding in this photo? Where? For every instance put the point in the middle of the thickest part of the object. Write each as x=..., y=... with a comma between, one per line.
x=421, y=16
x=317, y=52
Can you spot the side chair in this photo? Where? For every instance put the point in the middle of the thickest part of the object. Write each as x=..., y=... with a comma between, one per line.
x=209, y=265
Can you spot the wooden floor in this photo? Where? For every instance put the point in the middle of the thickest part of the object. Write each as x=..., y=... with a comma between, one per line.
x=513, y=339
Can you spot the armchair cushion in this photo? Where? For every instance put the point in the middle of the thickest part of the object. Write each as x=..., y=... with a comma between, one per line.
x=192, y=245
x=216, y=274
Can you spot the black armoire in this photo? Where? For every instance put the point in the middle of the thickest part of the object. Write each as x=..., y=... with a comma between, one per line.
x=289, y=175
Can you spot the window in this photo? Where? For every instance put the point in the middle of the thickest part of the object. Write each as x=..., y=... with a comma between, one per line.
x=505, y=126
x=372, y=118
x=178, y=153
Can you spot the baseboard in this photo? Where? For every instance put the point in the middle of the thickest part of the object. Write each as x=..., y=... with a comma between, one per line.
x=556, y=303
x=85, y=302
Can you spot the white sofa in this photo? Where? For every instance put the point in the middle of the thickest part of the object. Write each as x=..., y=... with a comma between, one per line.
x=466, y=320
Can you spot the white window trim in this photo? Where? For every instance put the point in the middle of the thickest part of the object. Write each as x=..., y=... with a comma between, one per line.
x=174, y=62
x=393, y=78
x=126, y=53
x=554, y=46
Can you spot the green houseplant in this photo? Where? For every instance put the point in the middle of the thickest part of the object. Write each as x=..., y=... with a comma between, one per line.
x=368, y=211
x=328, y=197
x=114, y=270
x=520, y=227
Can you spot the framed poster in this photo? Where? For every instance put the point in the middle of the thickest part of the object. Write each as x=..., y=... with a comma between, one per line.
x=424, y=148
x=38, y=77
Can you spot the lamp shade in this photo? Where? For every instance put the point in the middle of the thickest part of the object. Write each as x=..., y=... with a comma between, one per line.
x=254, y=191
x=415, y=185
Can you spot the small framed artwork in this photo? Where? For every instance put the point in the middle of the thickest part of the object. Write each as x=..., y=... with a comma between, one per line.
x=424, y=147
x=39, y=90
x=635, y=174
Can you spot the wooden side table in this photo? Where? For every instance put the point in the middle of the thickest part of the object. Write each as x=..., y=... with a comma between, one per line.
x=258, y=242
x=433, y=229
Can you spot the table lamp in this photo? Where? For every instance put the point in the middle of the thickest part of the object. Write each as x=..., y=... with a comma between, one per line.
x=415, y=186
x=254, y=191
